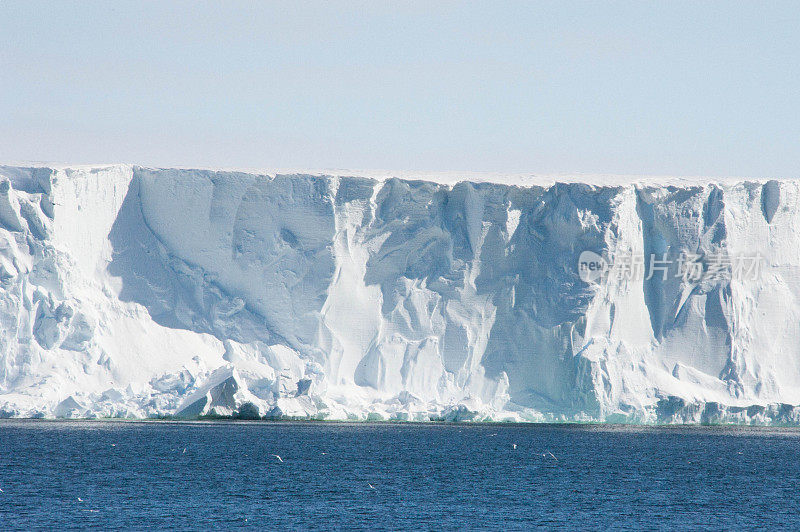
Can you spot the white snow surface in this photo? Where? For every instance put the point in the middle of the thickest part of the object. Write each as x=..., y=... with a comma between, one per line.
x=135, y=292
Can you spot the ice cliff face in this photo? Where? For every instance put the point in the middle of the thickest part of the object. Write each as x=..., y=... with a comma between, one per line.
x=133, y=292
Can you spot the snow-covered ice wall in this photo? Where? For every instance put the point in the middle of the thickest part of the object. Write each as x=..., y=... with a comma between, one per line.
x=134, y=292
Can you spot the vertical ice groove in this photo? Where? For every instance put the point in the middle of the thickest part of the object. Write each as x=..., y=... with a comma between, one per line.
x=770, y=199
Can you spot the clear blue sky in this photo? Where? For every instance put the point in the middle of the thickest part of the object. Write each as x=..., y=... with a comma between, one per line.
x=694, y=88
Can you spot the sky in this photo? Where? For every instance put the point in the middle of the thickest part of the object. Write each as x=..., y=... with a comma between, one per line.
x=665, y=88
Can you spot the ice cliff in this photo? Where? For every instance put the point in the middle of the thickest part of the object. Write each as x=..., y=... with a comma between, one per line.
x=136, y=292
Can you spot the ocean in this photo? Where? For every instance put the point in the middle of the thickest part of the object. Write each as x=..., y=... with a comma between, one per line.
x=281, y=475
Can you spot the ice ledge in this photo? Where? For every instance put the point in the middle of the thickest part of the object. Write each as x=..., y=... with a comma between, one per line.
x=521, y=179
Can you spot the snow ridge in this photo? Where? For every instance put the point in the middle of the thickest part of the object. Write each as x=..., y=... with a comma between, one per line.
x=136, y=292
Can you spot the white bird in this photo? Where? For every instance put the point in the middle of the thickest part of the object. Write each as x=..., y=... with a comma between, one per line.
x=371, y=486
x=513, y=445
x=184, y=450
x=551, y=455
x=1, y=490
x=278, y=457
x=80, y=500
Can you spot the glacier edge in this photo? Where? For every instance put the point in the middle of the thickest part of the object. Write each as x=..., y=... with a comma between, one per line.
x=136, y=292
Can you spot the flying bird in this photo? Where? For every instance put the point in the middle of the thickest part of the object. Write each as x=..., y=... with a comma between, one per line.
x=278, y=457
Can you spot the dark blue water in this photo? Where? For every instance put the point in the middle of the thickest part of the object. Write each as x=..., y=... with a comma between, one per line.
x=137, y=475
